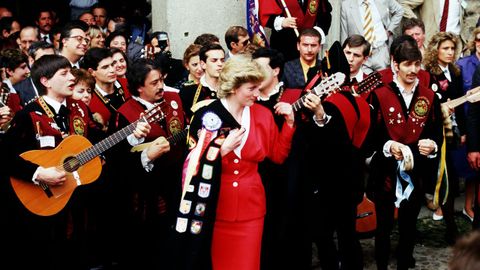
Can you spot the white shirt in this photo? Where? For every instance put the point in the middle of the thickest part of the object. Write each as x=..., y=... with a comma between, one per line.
x=379, y=30
x=446, y=71
x=406, y=95
x=275, y=90
x=203, y=81
x=10, y=86
x=45, y=37
x=55, y=104
x=245, y=123
x=454, y=14
x=359, y=76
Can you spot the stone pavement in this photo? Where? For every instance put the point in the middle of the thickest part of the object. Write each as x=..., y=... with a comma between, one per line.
x=431, y=251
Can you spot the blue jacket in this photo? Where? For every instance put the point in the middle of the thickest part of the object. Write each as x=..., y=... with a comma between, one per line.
x=468, y=65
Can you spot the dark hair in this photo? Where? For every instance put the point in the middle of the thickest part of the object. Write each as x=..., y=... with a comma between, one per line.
x=94, y=56
x=205, y=39
x=310, y=32
x=406, y=51
x=466, y=253
x=354, y=41
x=39, y=45
x=411, y=23
x=233, y=33
x=117, y=50
x=67, y=30
x=12, y=58
x=207, y=48
x=115, y=34
x=6, y=24
x=401, y=39
x=81, y=75
x=276, y=58
x=137, y=74
x=46, y=66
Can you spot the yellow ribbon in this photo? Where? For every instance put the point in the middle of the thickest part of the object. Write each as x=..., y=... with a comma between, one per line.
x=442, y=174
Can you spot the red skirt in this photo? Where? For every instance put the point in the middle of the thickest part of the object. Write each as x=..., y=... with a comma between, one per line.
x=237, y=245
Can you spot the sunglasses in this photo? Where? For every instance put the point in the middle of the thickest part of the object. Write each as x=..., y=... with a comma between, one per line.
x=245, y=42
x=477, y=40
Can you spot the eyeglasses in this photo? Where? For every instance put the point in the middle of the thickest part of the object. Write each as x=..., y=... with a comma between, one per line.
x=80, y=39
x=245, y=42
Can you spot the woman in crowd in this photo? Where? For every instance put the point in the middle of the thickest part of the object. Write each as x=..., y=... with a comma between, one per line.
x=97, y=37
x=191, y=61
x=118, y=40
x=222, y=220
x=120, y=61
x=446, y=82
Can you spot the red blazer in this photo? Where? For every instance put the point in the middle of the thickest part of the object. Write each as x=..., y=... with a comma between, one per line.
x=242, y=195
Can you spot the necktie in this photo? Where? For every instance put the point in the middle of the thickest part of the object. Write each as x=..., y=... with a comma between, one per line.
x=368, y=23
x=443, y=21
x=45, y=38
x=62, y=118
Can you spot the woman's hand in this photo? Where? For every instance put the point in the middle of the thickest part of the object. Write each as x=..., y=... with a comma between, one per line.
x=285, y=109
x=232, y=141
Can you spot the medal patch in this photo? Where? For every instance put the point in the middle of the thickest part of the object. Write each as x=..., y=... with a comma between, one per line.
x=204, y=190
x=211, y=121
x=196, y=226
x=174, y=104
x=312, y=7
x=185, y=206
x=174, y=125
x=181, y=226
x=200, y=209
x=212, y=153
x=421, y=107
x=434, y=87
x=207, y=172
x=78, y=125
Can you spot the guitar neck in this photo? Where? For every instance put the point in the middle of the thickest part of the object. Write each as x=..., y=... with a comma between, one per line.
x=175, y=138
x=456, y=102
x=105, y=144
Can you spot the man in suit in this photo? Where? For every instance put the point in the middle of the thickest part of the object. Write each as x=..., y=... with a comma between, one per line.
x=431, y=13
x=300, y=71
x=236, y=39
x=377, y=20
x=26, y=89
x=74, y=42
x=304, y=14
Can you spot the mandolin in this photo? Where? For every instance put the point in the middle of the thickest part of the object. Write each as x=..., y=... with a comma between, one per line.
x=366, y=217
x=79, y=159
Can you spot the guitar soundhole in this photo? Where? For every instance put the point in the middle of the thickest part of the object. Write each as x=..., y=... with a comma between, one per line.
x=71, y=164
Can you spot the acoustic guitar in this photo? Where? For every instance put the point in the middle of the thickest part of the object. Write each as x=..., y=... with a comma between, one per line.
x=79, y=159
x=366, y=217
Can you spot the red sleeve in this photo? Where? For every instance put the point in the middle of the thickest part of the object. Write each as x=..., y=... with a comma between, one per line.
x=266, y=9
x=278, y=143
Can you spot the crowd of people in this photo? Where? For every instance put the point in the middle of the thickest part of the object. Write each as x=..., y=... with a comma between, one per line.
x=116, y=155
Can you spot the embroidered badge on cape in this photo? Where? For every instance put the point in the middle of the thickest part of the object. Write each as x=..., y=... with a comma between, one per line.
x=312, y=7
x=78, y=125
x=421, y=107
x=174, y=125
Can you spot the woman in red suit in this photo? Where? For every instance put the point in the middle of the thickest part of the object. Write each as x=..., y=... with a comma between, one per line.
x=221, y=213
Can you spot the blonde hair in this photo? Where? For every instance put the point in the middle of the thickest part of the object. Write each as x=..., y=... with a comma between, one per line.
x=430, y=59
x=471, y=44
x=237, y=71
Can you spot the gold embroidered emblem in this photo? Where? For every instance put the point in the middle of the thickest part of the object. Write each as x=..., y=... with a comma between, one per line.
x=174, y=125
x=312, y=7
x=78, y=125
x=421, y=107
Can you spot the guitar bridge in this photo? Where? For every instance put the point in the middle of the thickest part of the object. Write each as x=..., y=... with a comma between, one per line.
x=46, y=189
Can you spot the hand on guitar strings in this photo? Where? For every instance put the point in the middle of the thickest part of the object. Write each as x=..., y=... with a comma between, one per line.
x=158, y=147
x=142, y=129
x=5, y=115
x=313, y=103
x=51, y=176
x=285, y=109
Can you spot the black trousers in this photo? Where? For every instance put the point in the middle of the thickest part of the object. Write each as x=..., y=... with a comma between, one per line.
x=407, y=221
